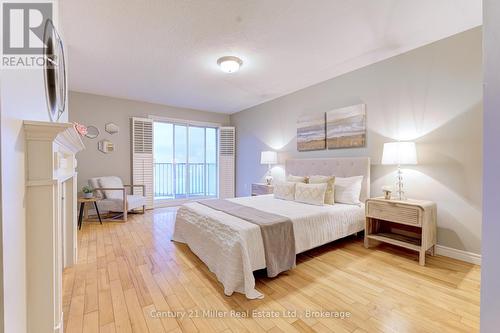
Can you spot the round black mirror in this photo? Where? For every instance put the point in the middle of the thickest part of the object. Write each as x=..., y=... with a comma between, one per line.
x=54, y=72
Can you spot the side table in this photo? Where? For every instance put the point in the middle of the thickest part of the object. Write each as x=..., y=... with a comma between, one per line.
x=82, y=202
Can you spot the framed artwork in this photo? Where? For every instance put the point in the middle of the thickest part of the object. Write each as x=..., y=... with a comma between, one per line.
x=346, y=127
x=311, y=132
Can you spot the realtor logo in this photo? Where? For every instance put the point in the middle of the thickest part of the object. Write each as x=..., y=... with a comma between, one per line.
x=23, y=27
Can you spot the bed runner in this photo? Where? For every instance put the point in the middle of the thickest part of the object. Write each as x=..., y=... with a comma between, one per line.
x=276, y=230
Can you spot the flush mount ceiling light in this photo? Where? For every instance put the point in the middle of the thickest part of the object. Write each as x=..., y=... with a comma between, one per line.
x=229, y=64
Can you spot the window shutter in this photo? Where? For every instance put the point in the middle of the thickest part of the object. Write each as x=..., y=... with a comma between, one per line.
x=142, y=157
x=226, y=162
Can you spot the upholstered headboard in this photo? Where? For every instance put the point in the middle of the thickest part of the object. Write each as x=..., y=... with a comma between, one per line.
x=340, y=167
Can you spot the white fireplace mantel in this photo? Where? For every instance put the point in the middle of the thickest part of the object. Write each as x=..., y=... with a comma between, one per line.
x=51, y=223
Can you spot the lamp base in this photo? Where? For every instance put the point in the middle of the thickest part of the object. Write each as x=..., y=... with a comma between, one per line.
x=400, y=194
x=269, y=178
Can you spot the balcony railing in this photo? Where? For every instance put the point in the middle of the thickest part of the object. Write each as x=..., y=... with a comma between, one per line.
x=172, y=179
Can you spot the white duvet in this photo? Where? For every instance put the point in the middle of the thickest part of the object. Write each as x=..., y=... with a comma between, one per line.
x=232, y=248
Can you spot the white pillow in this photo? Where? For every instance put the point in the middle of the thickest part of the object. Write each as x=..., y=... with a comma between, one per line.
x=296, y=179
x=313, y=194
x=284, y=190
x=111, y=182
x=348, y=190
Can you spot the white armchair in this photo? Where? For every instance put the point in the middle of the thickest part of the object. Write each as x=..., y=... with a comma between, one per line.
x=114, y=198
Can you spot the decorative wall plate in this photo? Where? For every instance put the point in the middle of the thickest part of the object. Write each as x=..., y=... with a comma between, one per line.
x=92, y=132
x=106, y=146
x=111, y=128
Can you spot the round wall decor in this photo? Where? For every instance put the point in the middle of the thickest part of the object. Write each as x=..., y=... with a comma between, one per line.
x=92, y=132
x=54, y=72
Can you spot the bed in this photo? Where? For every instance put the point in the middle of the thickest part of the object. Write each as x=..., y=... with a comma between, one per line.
x=233, y=248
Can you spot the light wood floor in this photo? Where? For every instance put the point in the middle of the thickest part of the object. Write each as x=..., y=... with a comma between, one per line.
x=127, y=271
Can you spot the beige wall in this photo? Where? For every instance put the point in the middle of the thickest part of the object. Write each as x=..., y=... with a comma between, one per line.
x=490, y=269
x=97, y=110
x=432, y=95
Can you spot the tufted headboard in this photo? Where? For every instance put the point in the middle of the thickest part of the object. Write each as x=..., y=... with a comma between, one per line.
x=340, y=167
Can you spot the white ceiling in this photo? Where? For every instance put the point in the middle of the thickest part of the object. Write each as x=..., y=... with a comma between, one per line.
x=165, y=51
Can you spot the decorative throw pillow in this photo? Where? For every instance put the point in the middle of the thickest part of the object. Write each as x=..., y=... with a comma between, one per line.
x=111, y=182
x=296, y=179
x=313, y=194
x=94, y=183
x=330, y=189
x=348, y=190
x=284, y=190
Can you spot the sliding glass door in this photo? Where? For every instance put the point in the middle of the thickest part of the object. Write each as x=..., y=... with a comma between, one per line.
x=185, y=161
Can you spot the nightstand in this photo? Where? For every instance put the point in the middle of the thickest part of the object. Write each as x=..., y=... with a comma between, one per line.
x=407, y=223
x=261, y=188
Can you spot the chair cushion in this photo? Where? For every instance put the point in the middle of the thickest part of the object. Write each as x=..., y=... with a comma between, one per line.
x=135, y=201
x=94, y=183
x=116, y=205
x=111, y=182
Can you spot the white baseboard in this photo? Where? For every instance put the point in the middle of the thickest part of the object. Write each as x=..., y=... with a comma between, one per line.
x=470, y=257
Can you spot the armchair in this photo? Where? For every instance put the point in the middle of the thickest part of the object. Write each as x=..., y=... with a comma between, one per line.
x=114, y=197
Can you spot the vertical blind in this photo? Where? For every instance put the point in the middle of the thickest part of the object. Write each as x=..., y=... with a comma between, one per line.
x=142, y=157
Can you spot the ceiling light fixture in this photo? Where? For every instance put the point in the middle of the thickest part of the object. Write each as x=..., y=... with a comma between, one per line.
x=229, y=64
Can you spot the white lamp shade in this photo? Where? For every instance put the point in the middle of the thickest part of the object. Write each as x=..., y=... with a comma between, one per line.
x=399, y=153
x=268, y=157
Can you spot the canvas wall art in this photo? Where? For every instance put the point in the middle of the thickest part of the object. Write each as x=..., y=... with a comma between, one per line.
x=311, y=132
x=346, y=127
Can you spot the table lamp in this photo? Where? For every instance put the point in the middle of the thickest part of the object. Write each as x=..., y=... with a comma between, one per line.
x=399, y=153
x=269, y=158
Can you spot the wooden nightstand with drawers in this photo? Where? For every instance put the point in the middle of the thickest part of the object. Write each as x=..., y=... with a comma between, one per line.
x=261, y=188
x=407, y=223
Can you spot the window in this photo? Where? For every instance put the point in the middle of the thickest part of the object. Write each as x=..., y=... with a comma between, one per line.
x=185, y=161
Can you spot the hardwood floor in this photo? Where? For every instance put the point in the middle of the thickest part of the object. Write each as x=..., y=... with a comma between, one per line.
x=129, y=271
